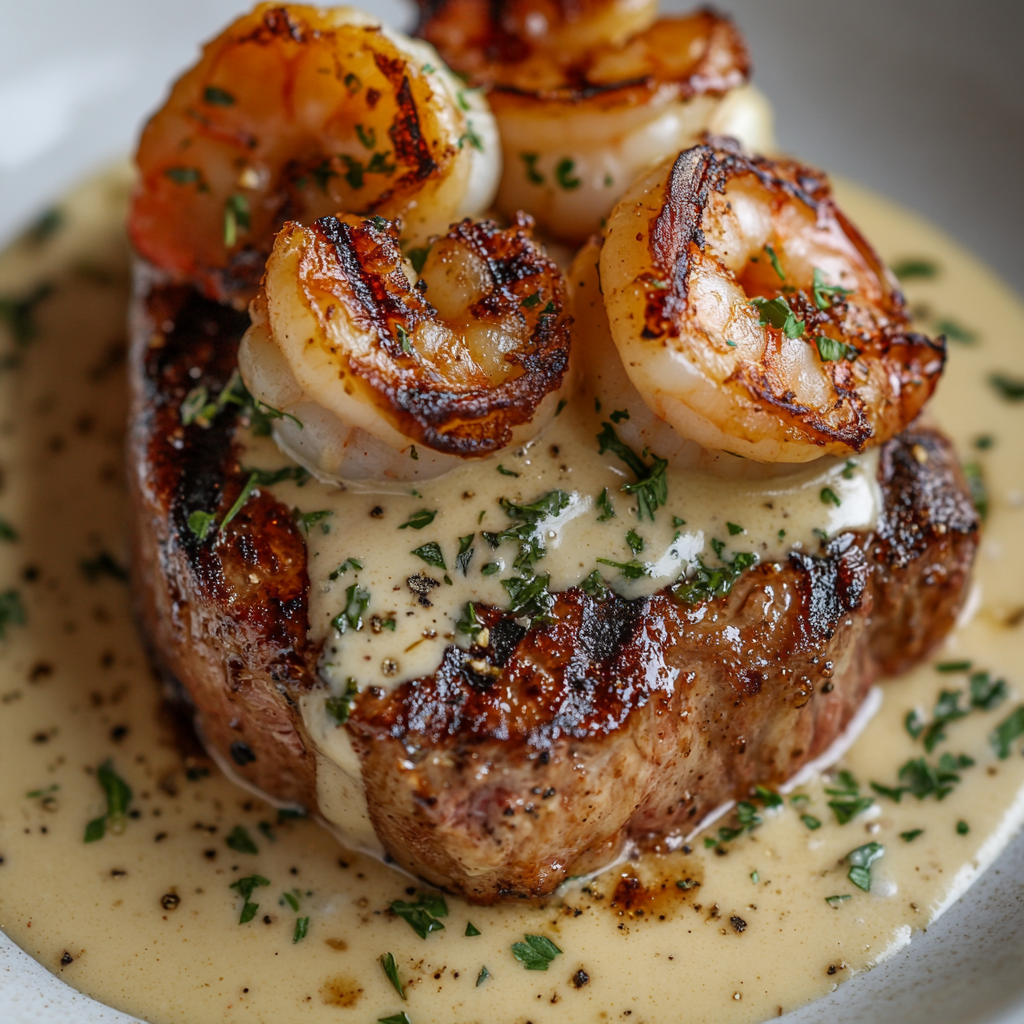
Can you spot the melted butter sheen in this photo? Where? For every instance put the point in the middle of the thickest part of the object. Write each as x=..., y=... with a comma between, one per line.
x=146, y=920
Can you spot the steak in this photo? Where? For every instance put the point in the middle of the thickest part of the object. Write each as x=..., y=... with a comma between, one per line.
x=543, y=752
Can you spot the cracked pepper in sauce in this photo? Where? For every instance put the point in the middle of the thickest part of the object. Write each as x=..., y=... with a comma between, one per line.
x=195, y=901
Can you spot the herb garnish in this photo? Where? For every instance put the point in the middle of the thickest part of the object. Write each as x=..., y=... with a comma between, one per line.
x=962, y=828
x=777, y=313
x=7, y=532
x=119, y=795
x=909, y=837
x=465, y=555
x=954, y=331
x=236, y=218
x=422, y=916
x=829, y=497
x=1010, y=388
x=532, y=174
x=357, y=600
x=651, y=487
x=594, y=586
x=922, y=779
x=530, y=597
x=824, y=294
x=848, y=802
x=605, y=505
x=243, y=497
x=1008, y=730
x=472, y=930
x=482, y=976
x=527, y=532
x=470, y=622
x=837, y=901
x=908, y=269
x=632, y=570
x=340, y=706
x=860, y=861
x=831, y=351
x=431, y=554
x=776, y=266
x=269, y=477
x=708, y=583
x=506, y=472
x=390, y=969
x=301, y=928
x=218, y=97
x=245, y=888
x=419, y=520
x=308, y=519
x=536, y=953
x=349, y=563
x=564, y=174
x=398, y=1018
x=635, y=542
x=811, y=821
x=240, y=841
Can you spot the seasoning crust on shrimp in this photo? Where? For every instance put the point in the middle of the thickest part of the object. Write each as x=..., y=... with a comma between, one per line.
x=387, y=373
x=588, y=95
x=295, y=112
x=753, y=317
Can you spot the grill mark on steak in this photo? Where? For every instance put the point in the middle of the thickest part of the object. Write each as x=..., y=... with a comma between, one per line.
x=634, y=719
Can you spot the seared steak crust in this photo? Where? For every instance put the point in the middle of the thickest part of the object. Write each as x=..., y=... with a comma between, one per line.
x=543, y=752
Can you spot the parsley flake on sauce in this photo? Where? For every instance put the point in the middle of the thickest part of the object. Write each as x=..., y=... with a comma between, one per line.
x=419, y=520
x=339, y=707
x=431, y=554
x=860, y=861
x=349, y=563
x=119, y=795
x=651, y=486
x=390, y=969
x=357, y=600
x=245, y=888
x=240, y=841
x=422, y=916
x=914, y=267
x=536, y=953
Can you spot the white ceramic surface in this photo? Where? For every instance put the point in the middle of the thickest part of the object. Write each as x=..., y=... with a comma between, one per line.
x=922, y=101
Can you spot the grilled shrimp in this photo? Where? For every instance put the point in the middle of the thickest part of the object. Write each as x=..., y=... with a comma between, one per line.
x=384, y=373
x=293, y=113
x=753, y=317
x=590, y=93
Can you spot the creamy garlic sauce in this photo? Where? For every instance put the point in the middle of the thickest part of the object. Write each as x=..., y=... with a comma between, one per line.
x=146, y=921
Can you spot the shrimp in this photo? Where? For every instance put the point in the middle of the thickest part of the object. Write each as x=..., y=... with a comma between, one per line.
x=753, y=317
x=381, y=372
x=590, y=93
x=293, y=113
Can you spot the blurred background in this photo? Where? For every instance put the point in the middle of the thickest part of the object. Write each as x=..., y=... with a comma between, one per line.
x=922, y=100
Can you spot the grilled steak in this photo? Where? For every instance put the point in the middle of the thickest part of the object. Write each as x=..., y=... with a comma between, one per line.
x=540, y=753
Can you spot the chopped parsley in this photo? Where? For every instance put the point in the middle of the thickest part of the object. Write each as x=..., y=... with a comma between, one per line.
x=768, y=797
x=837, y=901
x=349, y=563
x=530, y=597
x=390, y=969
x=527, y=532
x=825, y=294
x=734, y=529
x=470, y=622
x=119, y=795
x=431, y=554
x=955, y=332
x=506, y=472
x=243, y=497
x=536, y=953
x=403, y=339
x=422, y=916
x=419, y=520
x=465, y=555
x=340, y=707
x=831, y=351
x=301, y=927
x=618, y=416
x=245, y=888
x=7, y=532
x=357, y=600
x=811, y=821
x=482, y=976
x=860, y=861
x=776, y=266
x=1006, y=732
x=914, y=267
x=564, y=174
x=635, y=541
x=632, y=570
x=218, y=97
x=470, y=136
x=909, y=837
x=532, y=174
x=777, y=313
x=309, y=519
x=922, y=779
x=236, y=218
x=240, y=841
x=604, y=503
x=1010, y=388
x=847, y=802
x=418, y=258
x=977, y=487
x=269, y=477
x=594, y=586
x=829, y=497
x=199, y=522
x=962, y=828
x=472, y=930
x=398, y=1018
x=707, y=583
x=651, y=486
x=367, y=136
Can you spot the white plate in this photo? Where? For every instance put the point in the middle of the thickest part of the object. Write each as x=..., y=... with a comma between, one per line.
x=922, y=102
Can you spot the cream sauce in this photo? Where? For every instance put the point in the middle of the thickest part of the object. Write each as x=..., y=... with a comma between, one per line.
x=145, y=920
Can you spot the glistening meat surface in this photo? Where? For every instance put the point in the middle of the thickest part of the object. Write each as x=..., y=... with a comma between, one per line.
x=542, y=753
